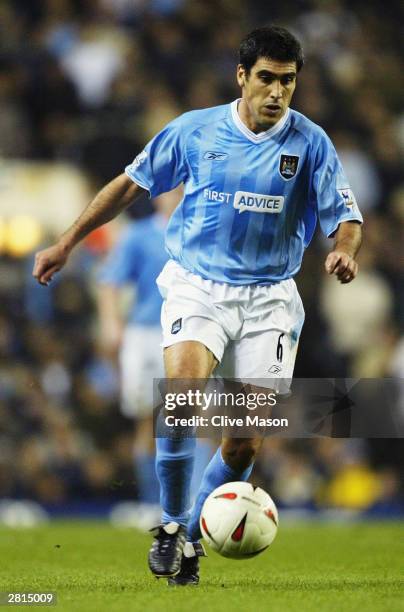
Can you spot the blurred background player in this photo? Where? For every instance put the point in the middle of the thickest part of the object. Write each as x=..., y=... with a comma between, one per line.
x=130, y=333
x=133, y=338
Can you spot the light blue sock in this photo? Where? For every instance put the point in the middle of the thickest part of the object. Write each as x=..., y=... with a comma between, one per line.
x=174, y=465
x=203, y=454
x=145, y=474
x=216, y=474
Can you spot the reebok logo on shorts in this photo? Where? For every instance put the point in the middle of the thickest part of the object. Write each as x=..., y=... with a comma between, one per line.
x=176, y=326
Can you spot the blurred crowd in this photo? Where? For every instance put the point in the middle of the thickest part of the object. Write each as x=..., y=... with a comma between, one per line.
x=88, y=83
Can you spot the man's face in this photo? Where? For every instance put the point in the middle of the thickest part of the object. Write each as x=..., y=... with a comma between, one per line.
x=267, y=91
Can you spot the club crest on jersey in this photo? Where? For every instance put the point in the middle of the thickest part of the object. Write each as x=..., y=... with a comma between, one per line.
x=288, y=166
x=215, y=156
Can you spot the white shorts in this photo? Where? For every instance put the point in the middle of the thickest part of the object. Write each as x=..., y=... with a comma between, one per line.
x=141, y=360
x=253, y=330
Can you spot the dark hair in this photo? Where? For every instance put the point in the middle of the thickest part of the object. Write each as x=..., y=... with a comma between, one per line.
x=272, y=42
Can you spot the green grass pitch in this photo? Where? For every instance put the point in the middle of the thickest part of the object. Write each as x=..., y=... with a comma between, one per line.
x=311, y=566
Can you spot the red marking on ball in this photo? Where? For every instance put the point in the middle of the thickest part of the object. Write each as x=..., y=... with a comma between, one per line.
x=268, y=512
x=227, y=496
x=205, y=528
x=239, y=531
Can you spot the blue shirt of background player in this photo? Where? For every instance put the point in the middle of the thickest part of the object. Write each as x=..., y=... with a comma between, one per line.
x=251, y=201
x=138, y=258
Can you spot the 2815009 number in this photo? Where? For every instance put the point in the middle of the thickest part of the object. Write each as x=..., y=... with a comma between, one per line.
x=26, y=598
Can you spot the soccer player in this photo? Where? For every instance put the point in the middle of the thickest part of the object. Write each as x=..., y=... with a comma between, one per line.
x=257, y=177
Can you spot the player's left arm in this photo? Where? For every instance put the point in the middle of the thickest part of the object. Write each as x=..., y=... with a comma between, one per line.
x=341, y=260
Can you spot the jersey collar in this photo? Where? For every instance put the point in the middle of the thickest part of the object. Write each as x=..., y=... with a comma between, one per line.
x=262, y=136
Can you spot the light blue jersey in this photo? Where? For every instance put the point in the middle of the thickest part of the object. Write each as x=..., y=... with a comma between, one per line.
x=251, y=201
x=138, y=258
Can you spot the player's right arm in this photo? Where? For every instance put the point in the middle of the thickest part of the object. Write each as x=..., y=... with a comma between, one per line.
x=107, y=204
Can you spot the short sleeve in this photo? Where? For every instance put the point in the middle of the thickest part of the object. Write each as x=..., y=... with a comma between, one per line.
x=161, y=166
x=122, y=263
x=330, y=190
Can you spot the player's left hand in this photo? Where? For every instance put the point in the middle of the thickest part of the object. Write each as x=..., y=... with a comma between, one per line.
x=342, y=265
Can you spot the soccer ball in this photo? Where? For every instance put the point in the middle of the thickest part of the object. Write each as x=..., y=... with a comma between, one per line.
x=239, y=520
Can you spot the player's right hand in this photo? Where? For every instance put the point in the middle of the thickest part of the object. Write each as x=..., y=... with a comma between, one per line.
x=49, y=261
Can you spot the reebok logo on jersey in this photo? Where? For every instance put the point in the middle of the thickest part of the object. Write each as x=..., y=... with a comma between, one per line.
x=176, y=326
x=347, y=196
x=257, y=202
x=215, y=156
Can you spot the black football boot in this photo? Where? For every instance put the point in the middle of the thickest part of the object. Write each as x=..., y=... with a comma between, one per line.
x=189, y=572
x=166, y=551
